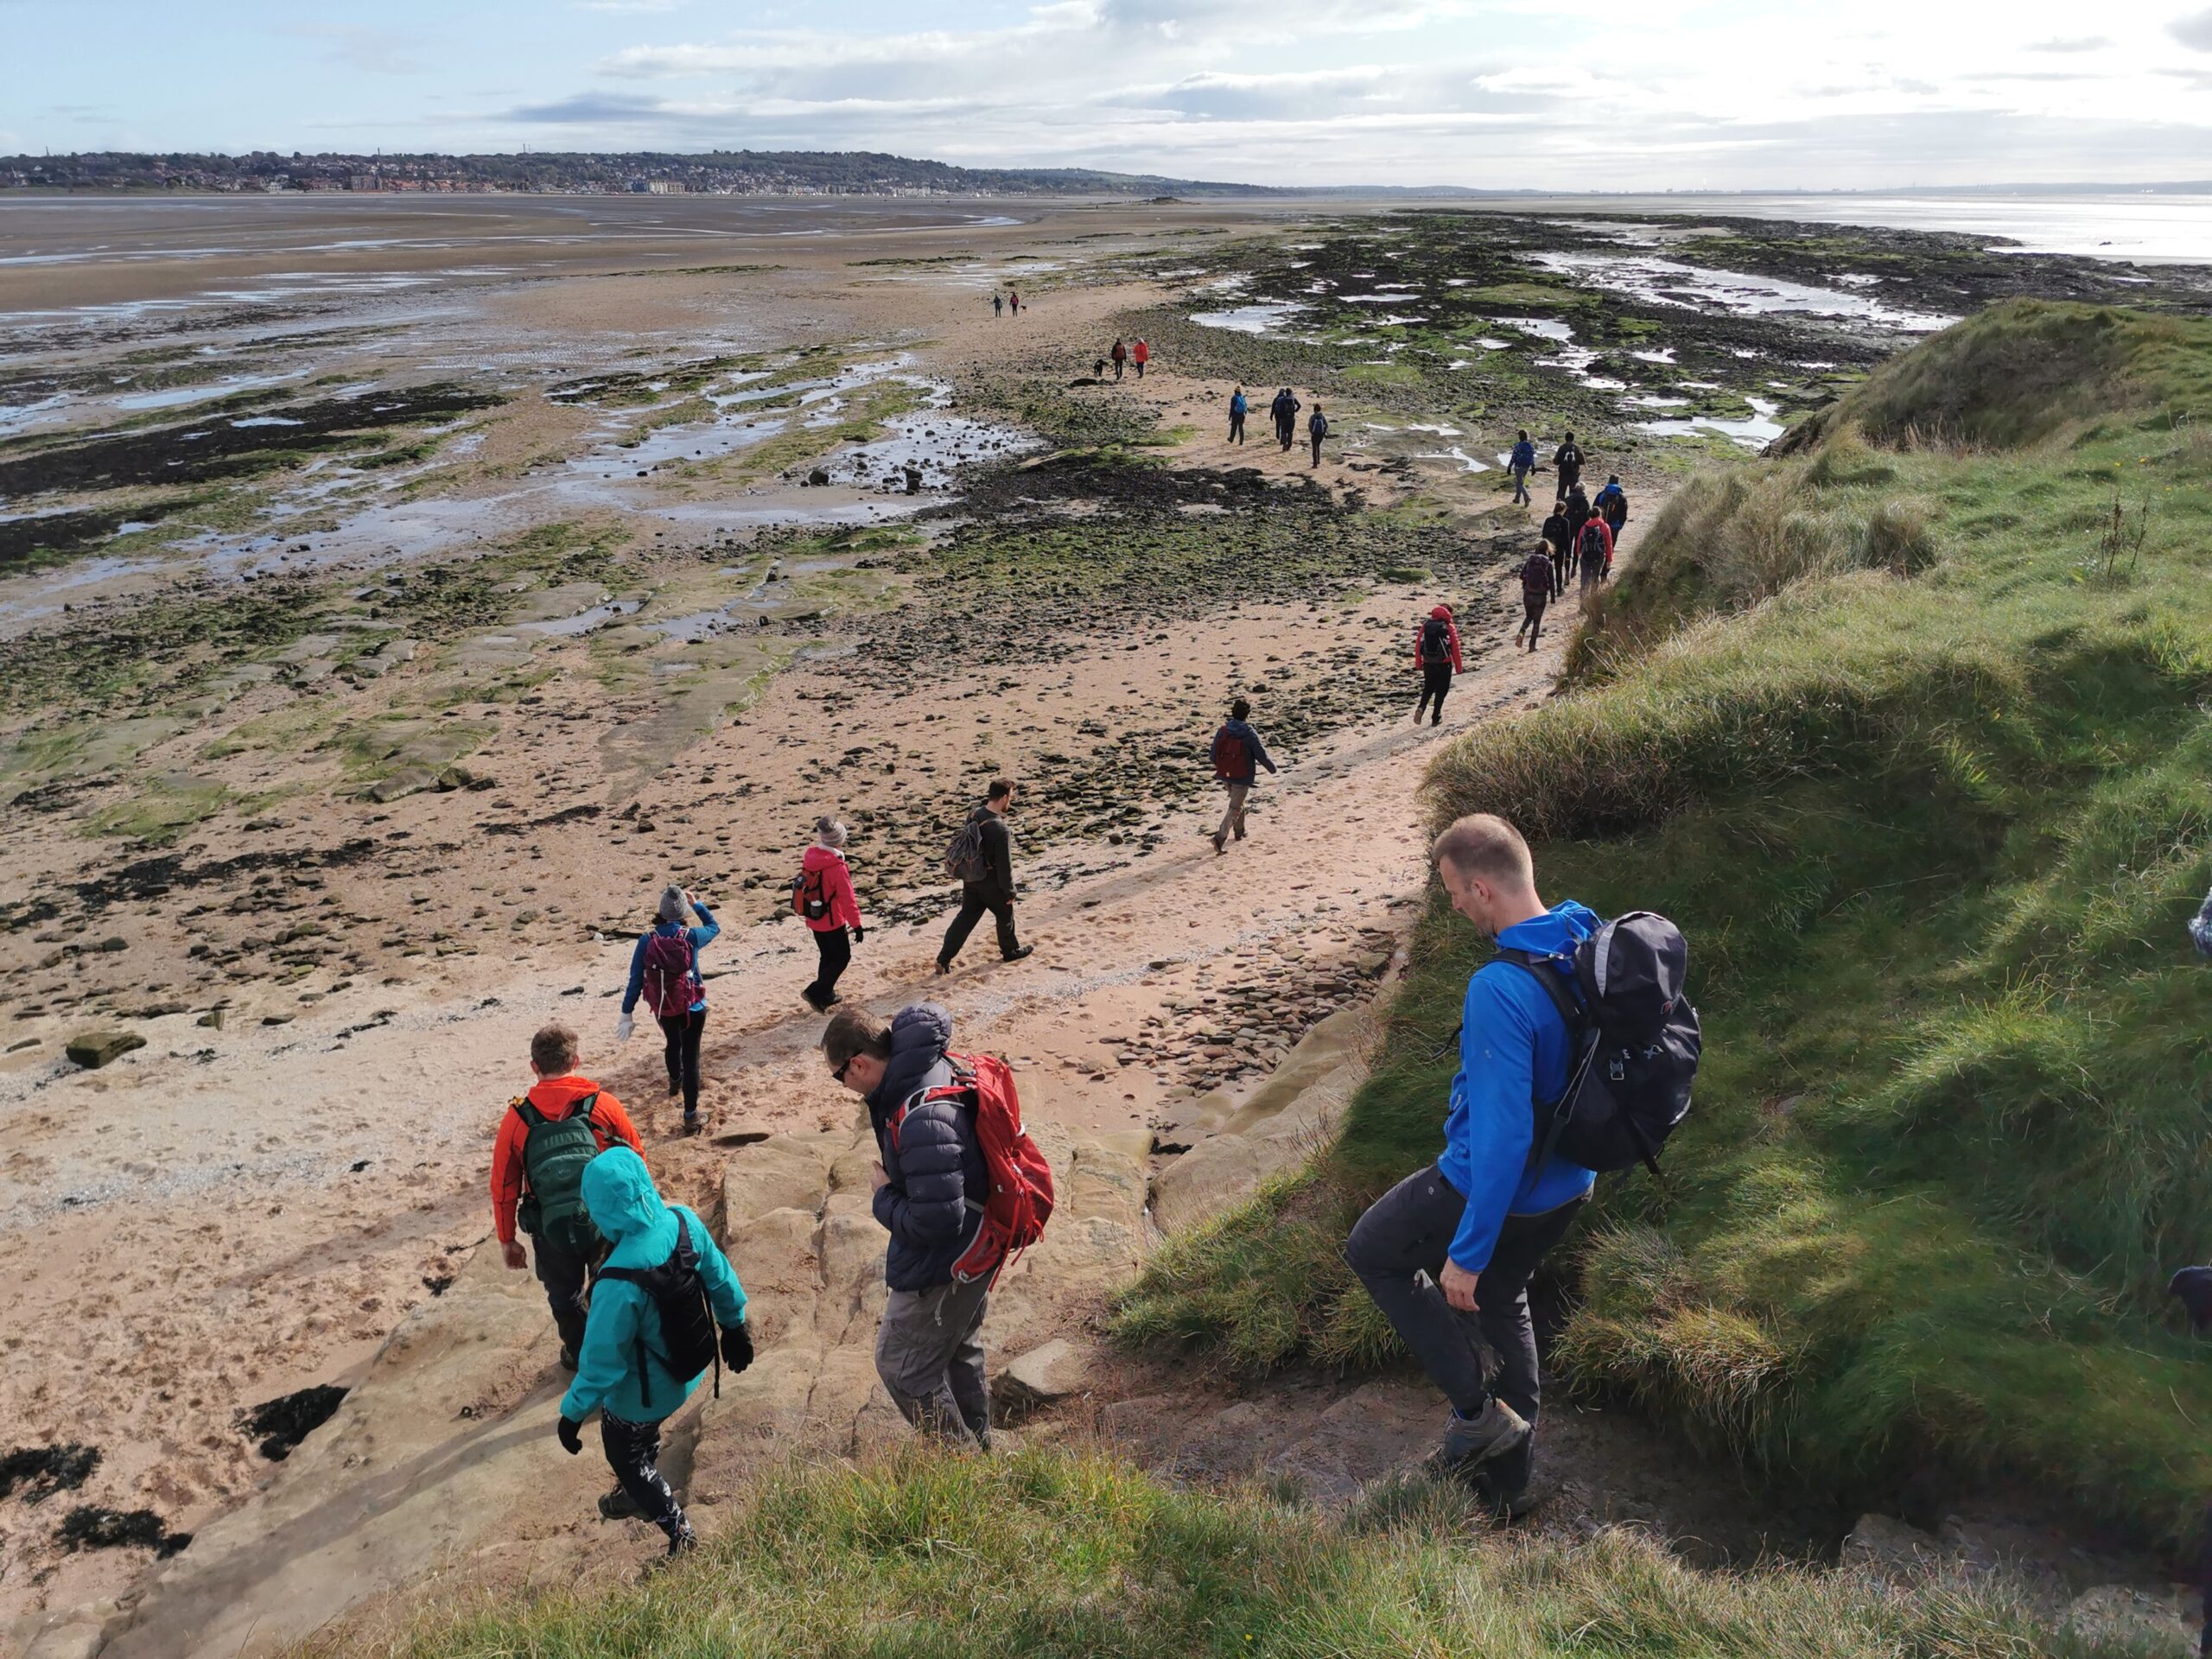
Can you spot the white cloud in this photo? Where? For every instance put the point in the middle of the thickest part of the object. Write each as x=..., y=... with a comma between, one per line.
x=2193, y=31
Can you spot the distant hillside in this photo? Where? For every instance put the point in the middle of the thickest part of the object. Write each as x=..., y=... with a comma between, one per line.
x=741, y=172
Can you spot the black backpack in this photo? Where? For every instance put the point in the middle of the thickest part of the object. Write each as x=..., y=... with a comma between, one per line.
x=1435, y=641
x=688, y=1334
x=1633, y=1045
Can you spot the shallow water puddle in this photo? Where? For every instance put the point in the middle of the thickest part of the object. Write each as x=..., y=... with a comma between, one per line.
x=1666, y=282
x=1760, y=430
x=1262, y=317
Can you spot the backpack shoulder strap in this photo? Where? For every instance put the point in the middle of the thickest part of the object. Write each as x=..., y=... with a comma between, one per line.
x=1568, y=1002
x=526, y=1109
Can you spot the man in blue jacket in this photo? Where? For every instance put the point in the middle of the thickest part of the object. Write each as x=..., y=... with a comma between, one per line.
x=1447, y=1252
x=1520, y=464
x=929, y=1350
x=623, y=1368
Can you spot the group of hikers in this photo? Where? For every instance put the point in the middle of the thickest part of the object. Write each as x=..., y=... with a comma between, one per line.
x=1011, y=301
x=645, y=1303
x=1121, y=356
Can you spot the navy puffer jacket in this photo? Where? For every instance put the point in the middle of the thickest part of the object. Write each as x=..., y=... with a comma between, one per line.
x=933, y=1161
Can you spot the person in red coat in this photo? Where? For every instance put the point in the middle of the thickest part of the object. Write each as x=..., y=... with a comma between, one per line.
x=824, y=900
x=1436, y=654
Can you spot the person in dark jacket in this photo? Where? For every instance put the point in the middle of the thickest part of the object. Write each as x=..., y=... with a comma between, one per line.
x=1567, y=458
x=1561, y=538
x=1521, y=463
x=1436, y=654
x=681, y=1027
x=1610, y=504
x=1121, y=356
x=1238, y=753
x=1238, y=407
x=993, y=890
x=1577, y=509
x=1287, y=408
x=1317, y=427
x=1537, y=580
x=929, y=1349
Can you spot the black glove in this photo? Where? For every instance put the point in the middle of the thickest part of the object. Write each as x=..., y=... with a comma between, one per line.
x=572, y=1435
x=858, y=933
x=737, y=1347
x=2194, y=1287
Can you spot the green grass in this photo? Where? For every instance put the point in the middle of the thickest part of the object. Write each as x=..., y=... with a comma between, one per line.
x=1927, y=779
x=1054, y=1556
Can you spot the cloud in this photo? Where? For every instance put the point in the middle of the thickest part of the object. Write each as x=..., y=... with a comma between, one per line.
x=591, y=109
x=2073, y=43
x=2193, y=31
x=373, y=51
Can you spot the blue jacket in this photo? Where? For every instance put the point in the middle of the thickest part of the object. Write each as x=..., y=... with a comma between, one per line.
x=934, y=1162
x=625, y=1206
x=701, y=937
x=1524, y=455
x=1513, y=1051
x=1256, y=751
x=1237, y=403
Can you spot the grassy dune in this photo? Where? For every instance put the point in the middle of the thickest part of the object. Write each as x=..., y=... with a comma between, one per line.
x=1918, y=752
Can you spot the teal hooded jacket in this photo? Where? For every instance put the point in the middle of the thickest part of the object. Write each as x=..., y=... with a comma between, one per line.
x=625, y=1207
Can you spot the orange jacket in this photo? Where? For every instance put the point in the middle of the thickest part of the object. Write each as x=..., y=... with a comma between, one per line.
x=553, y=1096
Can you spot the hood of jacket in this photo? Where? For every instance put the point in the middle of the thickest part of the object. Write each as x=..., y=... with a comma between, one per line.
x=1442, y=613
x=557, y=1096
x=919, y=1035
x=821, y=858
x=624, y=1205
x=1554, y=933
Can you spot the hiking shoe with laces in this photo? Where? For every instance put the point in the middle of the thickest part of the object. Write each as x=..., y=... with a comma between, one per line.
x=1017, y=953
x=1496, y=1431
x=693, y=1124
x=618, y=1505
x=568, y=1357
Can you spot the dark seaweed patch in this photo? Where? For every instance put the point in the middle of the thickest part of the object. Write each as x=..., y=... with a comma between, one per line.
x=286, y=1420
x=94, y=1526
x=151, y=878
x=59, y=532
x=43, y=1471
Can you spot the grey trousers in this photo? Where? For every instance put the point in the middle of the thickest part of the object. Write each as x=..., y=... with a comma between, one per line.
x=1232, y=821
x=1398, y=1248
x=929, y=1351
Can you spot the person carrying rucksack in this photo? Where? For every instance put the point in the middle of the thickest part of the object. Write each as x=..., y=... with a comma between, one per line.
x=823, y=895
x=1594, y=547
x=1521, y=463
x=1536, y=581
x=664, y=971
x=1287, y=408
x=1567, y=458
x=665, y=1308
x=1121, y=355
x=546, y=1141
x=1436, y=654
x=1317, y=427
x=1561, y=536
x=961, y=1190
x=1238, y=753
x=981, y=859
x=1610, y=504
x=1238, y=407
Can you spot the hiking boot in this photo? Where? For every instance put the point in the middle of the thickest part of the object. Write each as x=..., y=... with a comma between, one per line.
x=1494, y=1432
x=675, y=1086
x=943, y=966
x=683, y=1542
x=568, y=1357
x=618, y=1505
x=1437, y=719
x=693, y=1124
x=1504, y=1485
x=1219, y=845
x=1017, y=953
x=814, y=1002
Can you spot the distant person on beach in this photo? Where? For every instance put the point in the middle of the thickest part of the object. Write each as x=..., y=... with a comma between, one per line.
x=665, y=970
x=1287, y=407
x=665, y=1304
x=1610, y=504
x=1139, y=354
x=1014, y=302
x=1121, y=355
x=1238, y=409
x=1537, y=580
x=1237, y=754
x=1448, y=1252
x=1567, y=458
x=1436, y=654
x=1317, y=427
x=1521, y=463
x=1577, y=509
x=1595, y=550
x=998, y=306
x=823, y=895
x=545, y=1140
x=1560, y=535
x=981, y=859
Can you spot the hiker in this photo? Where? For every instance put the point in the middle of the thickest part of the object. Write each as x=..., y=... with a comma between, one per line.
x=1436, y=654
x=1610, y=504
x=1567, y=458
x=2194, y=1287
x=1287, y=408
x=982, y=858
x=1121, y=355
x=1521, y=463
x=1014, y=302
x=1447, y=1252
x=1577, y=511
x=998, y=306
x=1238, y=752
x=1561, y=536
x=947, y=1133
x=1238, y=409
x=545, y=1140
x=1536, y=581
x=1317, y=427
x=1595, y=551
x=823, y=895
x=650, y=1338
x=664, y=970
x=1139, y=354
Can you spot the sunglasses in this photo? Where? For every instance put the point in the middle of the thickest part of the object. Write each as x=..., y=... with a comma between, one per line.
x=839, y=1074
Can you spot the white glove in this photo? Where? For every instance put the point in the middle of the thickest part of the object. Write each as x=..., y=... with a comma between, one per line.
x=623, y=1027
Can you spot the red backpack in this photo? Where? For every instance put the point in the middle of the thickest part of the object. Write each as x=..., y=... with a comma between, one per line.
x=1020, y=1200
x=1231, y=759
x=671, y=974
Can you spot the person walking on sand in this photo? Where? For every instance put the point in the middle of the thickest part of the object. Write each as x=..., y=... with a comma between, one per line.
x=1014, y=302
x=1537, y=582
x=1139, y=354
x=1436, y=654
x=1521, y=463
x=1238, y=409
x=1447, y=1252
x=1594, y=551
x=823, y=895
x=1287, y=408
x=1567, y=460
x=1121, y=355
x=982, y=856
x=665, y=970
x=1610, y=504
x=1560, y=538
x=1577, y=510
x=1317, y=427
x=998, y=306
x=545, y=1139
x=929, y=1181
x=666, y=1302
x=1238, y=753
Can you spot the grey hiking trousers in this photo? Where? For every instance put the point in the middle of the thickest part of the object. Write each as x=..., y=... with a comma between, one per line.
x=929, y=1351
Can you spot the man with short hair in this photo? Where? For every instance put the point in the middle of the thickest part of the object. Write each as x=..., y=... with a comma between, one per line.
x=1447, y=1252
x=1317, y=427
x=1567, y=458
x=992, y=887
x=930, y=1183
x=1237, y=754
x=537, y=1163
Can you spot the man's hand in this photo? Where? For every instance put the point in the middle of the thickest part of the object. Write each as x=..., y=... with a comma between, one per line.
x=877, y=1181
x=571, y=1434
x=737, y=1346
x=517, y=1258
x=1458, y=1285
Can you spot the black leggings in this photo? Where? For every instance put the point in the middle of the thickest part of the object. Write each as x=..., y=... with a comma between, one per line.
x=633, y=1454
x=682, y=1033
x=836, y=945
x=1235, y=429
x=1532, y=617
x=1435, y=681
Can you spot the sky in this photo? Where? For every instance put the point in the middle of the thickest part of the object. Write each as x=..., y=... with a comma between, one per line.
x=1560, y=94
